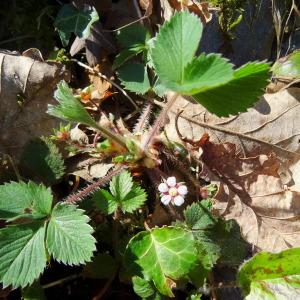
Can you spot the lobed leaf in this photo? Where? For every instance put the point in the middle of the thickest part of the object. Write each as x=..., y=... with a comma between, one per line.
x=121, y=185
x=134, y=199
x=105, y=201
x=22, y=253
x=72, y=20
x=69, y=237
x=160, y=255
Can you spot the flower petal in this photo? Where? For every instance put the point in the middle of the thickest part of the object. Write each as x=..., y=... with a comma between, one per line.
x=182, y=190
x=178, y=200
x=163, y=187
x=166, y=199
x=171, y=181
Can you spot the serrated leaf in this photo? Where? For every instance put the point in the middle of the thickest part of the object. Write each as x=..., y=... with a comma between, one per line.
x=72, y=20
x=288, y=67
x=161, y=254
x=105, y=201
x=175, y=46
x=134, y=77
x=198, y=216
x=102, y=266
x=134, y=199
x=121, y=185
x=133, y=35
x=239, y=94
x=69, y=107
x=69, y=237
x=22, y=253
x=18, y=199
x=43, y=159
x=271, y=276
x=126, y=55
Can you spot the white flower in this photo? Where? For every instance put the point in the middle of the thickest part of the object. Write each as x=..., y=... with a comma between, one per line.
x=171, y=191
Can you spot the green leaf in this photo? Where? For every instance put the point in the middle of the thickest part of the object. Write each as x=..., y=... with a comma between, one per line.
x=161, y=254
x=288, y=67
x=43, y=159
x=175, y=46
x=239, y=94
x=142, y=287
x=69, y=237
x=271, y=276
x=103, y=266
x=125, y=194
x=70, y=19
x=69, y=107
x=121, y=185
x=105, y=201
x=22, y=253
x=134, y=77
x=19, y=199
x=34, y=292
x=133, y=35
x=126, y=55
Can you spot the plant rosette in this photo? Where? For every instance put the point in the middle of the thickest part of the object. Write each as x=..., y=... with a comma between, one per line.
x=172, y=192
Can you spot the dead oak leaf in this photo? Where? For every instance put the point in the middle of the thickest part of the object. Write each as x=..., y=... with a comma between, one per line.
x=252, y=192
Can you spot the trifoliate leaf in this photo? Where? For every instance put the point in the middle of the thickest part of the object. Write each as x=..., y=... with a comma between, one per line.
x=69, y=107
x=43, y=159
x=133, y=35
x=161, y=255
x=105, y=201
x=121, y=185
x=127, y=54
x=288, y=67
x=271, y=276
x=102, y=266
x=72, y=20
x=134, y=77
x=239, y=94
x=69, y=237
x=18, y=199
x=22, y=253
x=175, y=46
x=125, y=195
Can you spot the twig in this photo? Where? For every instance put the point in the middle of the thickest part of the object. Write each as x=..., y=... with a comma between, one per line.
x=108, y=80
x=22, y=37
x=127, y=25
x=61, y=281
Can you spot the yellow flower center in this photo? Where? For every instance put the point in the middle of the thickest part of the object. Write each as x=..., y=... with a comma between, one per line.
x=173, y=191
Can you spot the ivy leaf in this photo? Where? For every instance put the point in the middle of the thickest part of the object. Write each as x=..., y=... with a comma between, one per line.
x=125, y=194
x=161, y=255
x=271, y=276
x=133, y=35
x=69, y=237
x=134, y=77
x=22, y=253
x=142, y=287
x=19, y=199
x=70, y=19
x=43, y=159
x=69, y=107
x=240, y=93
x=175, y=46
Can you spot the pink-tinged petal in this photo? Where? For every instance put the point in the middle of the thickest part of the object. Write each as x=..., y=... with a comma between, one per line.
x=163, y=187
x=171, y=181
x=178, y=200
x=182, y=190
x=166, y=199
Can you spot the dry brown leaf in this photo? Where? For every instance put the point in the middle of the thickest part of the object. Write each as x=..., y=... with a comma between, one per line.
x=27, y=87
x=147, y=5
x=254, y=158
x=252, y=192
x=200, y=9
